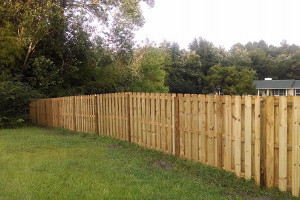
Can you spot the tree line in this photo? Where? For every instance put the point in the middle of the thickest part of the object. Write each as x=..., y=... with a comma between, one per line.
x=50, y=49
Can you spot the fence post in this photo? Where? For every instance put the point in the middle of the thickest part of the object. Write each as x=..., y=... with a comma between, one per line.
x=177, y=131
x=129, y=115
x=96, y=114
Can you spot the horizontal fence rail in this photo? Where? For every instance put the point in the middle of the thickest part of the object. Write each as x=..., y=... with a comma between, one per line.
x=251, y=136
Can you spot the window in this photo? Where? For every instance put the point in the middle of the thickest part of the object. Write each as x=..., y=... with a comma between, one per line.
x=279, y=92
x=297, y=92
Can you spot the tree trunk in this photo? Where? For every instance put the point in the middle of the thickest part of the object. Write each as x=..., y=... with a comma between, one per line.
x=29, y=51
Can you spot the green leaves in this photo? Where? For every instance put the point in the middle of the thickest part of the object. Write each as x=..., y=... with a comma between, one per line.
x=14, y=100
x=149, y=70
x=228, y=80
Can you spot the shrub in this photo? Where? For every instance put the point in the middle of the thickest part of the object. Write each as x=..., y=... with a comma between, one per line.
x=15, y=98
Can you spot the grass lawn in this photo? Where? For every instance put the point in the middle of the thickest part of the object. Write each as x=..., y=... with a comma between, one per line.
x=41, y=163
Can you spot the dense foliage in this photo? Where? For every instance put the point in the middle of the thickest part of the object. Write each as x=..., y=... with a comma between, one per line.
x=51, y=47
x=205, y=68
x=14, y=99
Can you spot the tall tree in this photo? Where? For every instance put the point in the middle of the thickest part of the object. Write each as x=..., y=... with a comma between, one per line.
x=229, y=80
x=207, y=53
x=148, y=68
x=52, y=39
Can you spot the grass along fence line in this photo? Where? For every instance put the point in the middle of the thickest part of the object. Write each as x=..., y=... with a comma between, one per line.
x=54, y=163
x=251, y=136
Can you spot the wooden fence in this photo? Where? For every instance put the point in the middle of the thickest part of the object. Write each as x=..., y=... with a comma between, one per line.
x=254, y=137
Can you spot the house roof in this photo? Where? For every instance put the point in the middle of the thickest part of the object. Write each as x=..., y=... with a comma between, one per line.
x=276, y=84
x=296, y=84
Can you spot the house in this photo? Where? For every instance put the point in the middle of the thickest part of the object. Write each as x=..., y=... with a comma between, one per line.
x=269, y=87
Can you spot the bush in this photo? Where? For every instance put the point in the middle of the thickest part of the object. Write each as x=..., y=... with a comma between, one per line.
x=15, y=98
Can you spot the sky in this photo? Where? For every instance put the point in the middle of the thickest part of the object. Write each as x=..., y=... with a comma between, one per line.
x=222, y=22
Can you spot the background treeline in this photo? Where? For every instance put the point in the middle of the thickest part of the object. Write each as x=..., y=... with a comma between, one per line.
x=52, y=48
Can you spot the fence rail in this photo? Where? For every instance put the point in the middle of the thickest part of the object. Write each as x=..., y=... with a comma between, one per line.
x=254, y=137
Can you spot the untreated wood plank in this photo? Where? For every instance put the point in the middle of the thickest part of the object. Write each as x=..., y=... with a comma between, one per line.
x=269, y=142
x=187, y=123
x=158, y=121
x=211, y=130
x=227, y=133
x=177, y=125
x=237, y=129
x=181, y=123
x=257, y=145
x=135, y=119
x=218, y=130
x=248, y=133
x=147, y=120
x=282, y=143
x=169, y=123
x=173, y=124
x=295, y=146
x=202, y=129
x=152, y=111
x=195, y=128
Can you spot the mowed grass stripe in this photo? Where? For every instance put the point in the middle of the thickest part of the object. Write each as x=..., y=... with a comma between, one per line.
x=39, y=163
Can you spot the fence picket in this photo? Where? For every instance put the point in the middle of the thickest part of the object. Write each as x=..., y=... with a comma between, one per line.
x=248, y=133
x=237, y=135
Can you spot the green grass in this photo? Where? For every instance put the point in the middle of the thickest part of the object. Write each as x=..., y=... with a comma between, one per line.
x=39, y=163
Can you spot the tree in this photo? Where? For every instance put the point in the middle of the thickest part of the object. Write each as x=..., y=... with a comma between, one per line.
x=239, y=57
x=295, y=66
x=228, y=80
x=148, y=69
x=14, y=100
x=52, y=40
x=207, y=52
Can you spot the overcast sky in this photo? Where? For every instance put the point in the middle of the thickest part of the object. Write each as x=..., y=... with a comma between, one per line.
x=222, y=22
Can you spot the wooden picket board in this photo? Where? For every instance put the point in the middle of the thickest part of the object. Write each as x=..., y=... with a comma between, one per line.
x=210, y=130
x=187, y=135
x=158, y=121
x=218, y=130
x=169, y=141
x=174, y=112
x=152, y=117
x=202, y=128
x=257, y=146
x=125, y=116
x=282, y=143
x=248, y=139
x=134, y=125
x=227, y=133
x=289, y=142
x=181, y=124
x=237, y=135
x=194, y=127
x=100, y=113
x=269, y=141
x=163, y=121
x=104, y=114
x=295, y=147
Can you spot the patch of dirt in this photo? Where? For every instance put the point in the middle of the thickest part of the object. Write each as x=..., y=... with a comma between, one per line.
x=161, y=164
x=114, y=146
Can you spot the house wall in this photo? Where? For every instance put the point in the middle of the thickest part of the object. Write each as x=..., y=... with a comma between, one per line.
x=269, y=92
x=291, y=92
